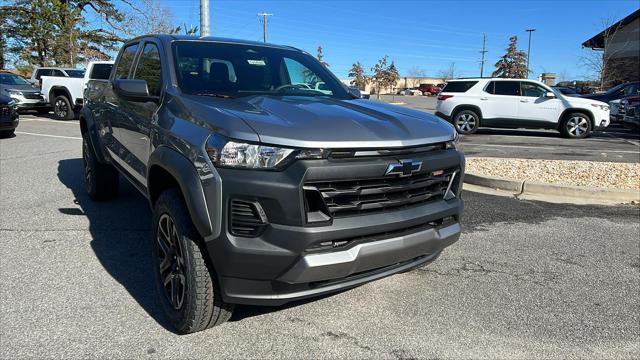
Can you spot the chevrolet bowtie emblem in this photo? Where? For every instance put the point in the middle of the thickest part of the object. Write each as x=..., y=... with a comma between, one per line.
x=404, y=168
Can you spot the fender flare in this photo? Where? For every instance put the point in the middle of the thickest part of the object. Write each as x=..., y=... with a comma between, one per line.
x=588, y=112
x=466, y=107
x=86, y=120
x=188, y=180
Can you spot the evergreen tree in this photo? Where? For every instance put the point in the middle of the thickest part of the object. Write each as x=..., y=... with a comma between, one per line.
x=513, y=64
x=320, y=57
x=360, y=79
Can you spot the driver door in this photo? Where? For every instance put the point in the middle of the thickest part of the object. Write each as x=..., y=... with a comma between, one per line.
x=535, y=106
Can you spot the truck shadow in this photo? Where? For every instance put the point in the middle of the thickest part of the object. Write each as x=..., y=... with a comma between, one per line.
x=120, y=231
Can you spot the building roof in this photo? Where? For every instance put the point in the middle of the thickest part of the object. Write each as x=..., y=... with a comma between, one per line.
x=597, y=42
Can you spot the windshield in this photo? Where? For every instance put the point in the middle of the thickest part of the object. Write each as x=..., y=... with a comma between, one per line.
x=12, y=79
x=75, y=73
x=235, y=70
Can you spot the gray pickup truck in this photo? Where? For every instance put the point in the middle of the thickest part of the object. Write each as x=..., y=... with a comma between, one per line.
x=265, y=190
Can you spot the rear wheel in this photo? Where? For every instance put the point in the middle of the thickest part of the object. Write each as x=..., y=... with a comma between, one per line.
x=186, y=283
x=466, y=122
x=101, y=180
x=576, y=126
x=62, y=108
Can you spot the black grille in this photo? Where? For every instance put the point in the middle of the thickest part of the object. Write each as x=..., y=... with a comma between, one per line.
x=354, y=197
x=247, y=219
x=31, y=95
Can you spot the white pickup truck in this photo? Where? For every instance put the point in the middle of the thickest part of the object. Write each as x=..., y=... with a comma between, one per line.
x=66, y=94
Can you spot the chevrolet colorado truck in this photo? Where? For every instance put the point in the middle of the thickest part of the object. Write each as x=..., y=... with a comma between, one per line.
x=264, y=191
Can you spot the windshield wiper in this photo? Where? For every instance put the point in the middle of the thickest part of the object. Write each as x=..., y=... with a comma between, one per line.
x=218, y=95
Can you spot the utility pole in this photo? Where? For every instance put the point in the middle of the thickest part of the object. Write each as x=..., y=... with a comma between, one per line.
x=483, y=51
x=264, y=24
x=529, y=49
x=205, y=30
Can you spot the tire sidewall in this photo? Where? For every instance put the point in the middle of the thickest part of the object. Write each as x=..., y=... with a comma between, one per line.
x=88, y=159
x=565, y=131
x=178, y=318
x=69, y=114
x=463, y=112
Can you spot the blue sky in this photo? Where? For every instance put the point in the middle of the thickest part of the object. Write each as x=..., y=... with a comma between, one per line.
x=426, y=34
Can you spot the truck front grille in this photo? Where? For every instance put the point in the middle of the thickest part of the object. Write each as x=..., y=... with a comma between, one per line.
x=354, y=197
x=32, y=96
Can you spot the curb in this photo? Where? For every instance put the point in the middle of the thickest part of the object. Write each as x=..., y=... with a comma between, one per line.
x=537, y=188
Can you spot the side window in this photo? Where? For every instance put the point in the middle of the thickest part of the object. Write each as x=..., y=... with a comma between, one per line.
x=149, y=69
x=125, y=62
x=533, y=90
x=42, y=72
x=490, y=87
x=101, y=71
x=58, y=73
x=511, y=88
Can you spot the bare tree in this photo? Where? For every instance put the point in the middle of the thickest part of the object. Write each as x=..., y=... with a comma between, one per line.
x=563, y=76
x=448, y=73
x=598, y=61
x=360, y=79
x=148, y=17
x=416, y=71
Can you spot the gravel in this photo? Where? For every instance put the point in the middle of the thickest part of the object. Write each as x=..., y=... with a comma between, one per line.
x=577, y=173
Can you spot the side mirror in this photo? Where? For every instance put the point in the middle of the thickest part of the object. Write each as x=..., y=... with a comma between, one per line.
x=355, y=92
x=133, y=90
x=549, y=95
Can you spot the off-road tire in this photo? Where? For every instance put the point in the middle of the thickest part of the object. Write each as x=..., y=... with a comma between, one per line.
x=202, y=306
x=7, y=133
x=62, y=108
x=466, y=121
x=101, y=180
x=575, y=126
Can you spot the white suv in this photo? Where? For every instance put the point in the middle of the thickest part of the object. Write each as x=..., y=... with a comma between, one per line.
x=518, y=103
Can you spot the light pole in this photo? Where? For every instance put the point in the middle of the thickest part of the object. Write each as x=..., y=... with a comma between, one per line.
x=205, y=29
x=529, y=49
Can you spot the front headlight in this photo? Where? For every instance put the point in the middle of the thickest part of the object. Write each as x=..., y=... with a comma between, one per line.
x=602, y=107
x=15, y=92
x=453, y=144
x=235, y=154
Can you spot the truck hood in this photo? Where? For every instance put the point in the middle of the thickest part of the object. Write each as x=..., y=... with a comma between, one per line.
x=320, y=122
x=581, y=101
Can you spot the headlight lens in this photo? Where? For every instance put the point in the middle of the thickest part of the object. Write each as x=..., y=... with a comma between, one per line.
x=602, y=107
x=15, y=92
x=453, y=144
x=229, y=153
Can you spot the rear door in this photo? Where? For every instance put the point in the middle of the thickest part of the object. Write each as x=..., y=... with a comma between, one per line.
x=535, y=106
x=499, y=102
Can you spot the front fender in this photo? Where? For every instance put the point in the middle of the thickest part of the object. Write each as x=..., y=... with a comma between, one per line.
x=88, y=122
x=200, y=195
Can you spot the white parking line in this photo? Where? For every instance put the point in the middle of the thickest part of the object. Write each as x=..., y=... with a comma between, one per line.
x=51, y=121
x=551, y=148
x=47, y=135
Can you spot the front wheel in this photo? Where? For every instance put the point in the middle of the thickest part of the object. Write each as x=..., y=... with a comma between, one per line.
x=466, y=122
x=187, y=286
x=62, y=108
x=575, y=126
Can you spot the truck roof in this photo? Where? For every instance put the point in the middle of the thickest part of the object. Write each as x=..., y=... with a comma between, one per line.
x=173, y=37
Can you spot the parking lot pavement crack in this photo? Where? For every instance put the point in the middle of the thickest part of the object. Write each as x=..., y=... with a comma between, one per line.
x=468, y=268
x=347, y=337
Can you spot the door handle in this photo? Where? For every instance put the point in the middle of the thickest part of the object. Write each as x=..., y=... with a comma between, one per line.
x=524, y=101
x=484, y=98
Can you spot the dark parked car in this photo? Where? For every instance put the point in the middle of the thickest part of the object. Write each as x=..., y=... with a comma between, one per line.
x=630, y=111
x=617, y=92
x=263, y=191
x=567, y=91
x=8, y=116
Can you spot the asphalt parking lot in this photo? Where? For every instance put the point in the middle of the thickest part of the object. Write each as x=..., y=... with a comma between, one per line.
x=615, y=143
x=526, y=280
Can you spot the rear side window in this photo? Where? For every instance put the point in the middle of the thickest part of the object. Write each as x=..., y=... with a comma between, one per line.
x=125, y=62
x=58, y=73
x=149, y=69
x=458, y=86
x=100, y=71
x=511, y=88
x=42, y=72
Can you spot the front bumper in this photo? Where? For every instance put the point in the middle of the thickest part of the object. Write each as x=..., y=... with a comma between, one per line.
x=31, y=104
x=283, y=263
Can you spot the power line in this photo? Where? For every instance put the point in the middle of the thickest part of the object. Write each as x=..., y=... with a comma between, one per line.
x=264, y=24
x=483, y=51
